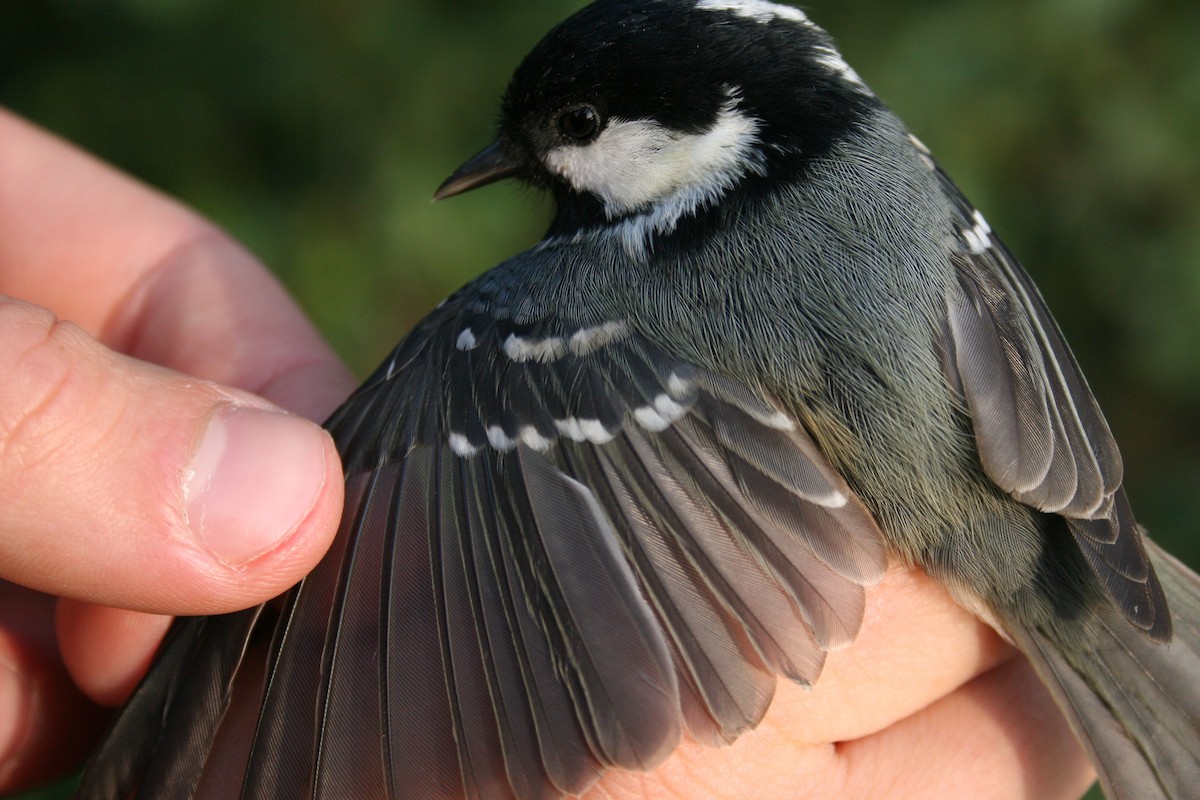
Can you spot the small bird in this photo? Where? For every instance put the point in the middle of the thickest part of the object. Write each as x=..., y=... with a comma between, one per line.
x=607, y=492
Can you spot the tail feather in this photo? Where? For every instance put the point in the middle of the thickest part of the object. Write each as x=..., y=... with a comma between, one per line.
x=1134, y=704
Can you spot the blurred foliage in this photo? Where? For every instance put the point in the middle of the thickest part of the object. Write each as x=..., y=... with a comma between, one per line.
x=316, y=132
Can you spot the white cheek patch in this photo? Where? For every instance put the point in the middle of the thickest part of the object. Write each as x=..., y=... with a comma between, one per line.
x=634, y=163
x=640, y=165
x=760, y=11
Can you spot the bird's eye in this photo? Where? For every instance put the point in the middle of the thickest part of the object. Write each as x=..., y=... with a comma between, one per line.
x=580, y=123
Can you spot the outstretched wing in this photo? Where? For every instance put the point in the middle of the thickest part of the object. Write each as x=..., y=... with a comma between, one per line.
x=561, y=549
x=1040, y=433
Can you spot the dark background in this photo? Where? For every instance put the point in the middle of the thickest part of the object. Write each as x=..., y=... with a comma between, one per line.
x=316, y=132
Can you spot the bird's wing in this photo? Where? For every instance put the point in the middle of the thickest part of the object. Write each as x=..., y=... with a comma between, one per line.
x=561, y=549
x=1040, y=432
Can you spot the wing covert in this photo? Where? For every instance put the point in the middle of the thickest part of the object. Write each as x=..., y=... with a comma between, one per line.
x=601, y=547
x=1041, y=435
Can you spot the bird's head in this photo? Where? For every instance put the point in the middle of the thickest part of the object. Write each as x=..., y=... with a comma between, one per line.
x=647, y=113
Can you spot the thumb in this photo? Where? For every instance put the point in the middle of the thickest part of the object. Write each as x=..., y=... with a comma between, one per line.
x=129, y=485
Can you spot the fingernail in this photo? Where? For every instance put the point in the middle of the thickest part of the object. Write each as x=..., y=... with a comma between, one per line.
x=253, y=480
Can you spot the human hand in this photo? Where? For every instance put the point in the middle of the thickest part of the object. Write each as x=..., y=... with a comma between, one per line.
x=168, y=491
x=928, y=703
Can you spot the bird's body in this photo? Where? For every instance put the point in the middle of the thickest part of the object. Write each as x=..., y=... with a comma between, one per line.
x=777, y=315
x=607, y=491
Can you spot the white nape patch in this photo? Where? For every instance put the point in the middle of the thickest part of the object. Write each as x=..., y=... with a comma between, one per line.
x=467, y=340
x=584, y=430
x=760, y=11
x=660, y=415
x=588, y=340
x=461, y=445
x=978, y=238
x=832, y=60
x=518, y=348
x=498, y=439
x=661, y=174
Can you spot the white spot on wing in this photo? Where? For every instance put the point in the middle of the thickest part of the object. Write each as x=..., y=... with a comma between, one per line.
x=466, y=340
x=518, y=348
x=499, y=439
x=668, y=407
x=678, y=386
x=584, y=430
x=758, y=10
x=922, y=152
x=660, y=415
x=570, y=428
x=832, y=499
x=530, y=437
x=779, y=421
x=461, y=445
x=580, y=343
x=587, y=340
x=978, y=237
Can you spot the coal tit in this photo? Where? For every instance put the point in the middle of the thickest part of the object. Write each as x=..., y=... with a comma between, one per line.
x=608, y=491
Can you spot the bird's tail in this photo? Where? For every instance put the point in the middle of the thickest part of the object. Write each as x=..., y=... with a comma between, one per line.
x=1134, y=704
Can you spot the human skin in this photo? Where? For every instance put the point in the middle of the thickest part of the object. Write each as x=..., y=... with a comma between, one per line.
x=134, y=323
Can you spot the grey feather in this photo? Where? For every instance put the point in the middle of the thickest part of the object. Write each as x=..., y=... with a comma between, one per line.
x=1040, y=435
x=1133, y=702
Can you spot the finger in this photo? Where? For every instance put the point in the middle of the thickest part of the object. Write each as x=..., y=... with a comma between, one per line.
x=46, y=724
x=150, y=278
x=916, y=647
x=133, y=486
x=107, y=650
x=998, y=738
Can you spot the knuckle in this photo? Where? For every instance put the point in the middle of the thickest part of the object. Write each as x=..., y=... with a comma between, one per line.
x=45, y=391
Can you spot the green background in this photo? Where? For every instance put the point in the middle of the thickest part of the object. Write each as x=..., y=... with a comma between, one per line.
x=316, y=132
